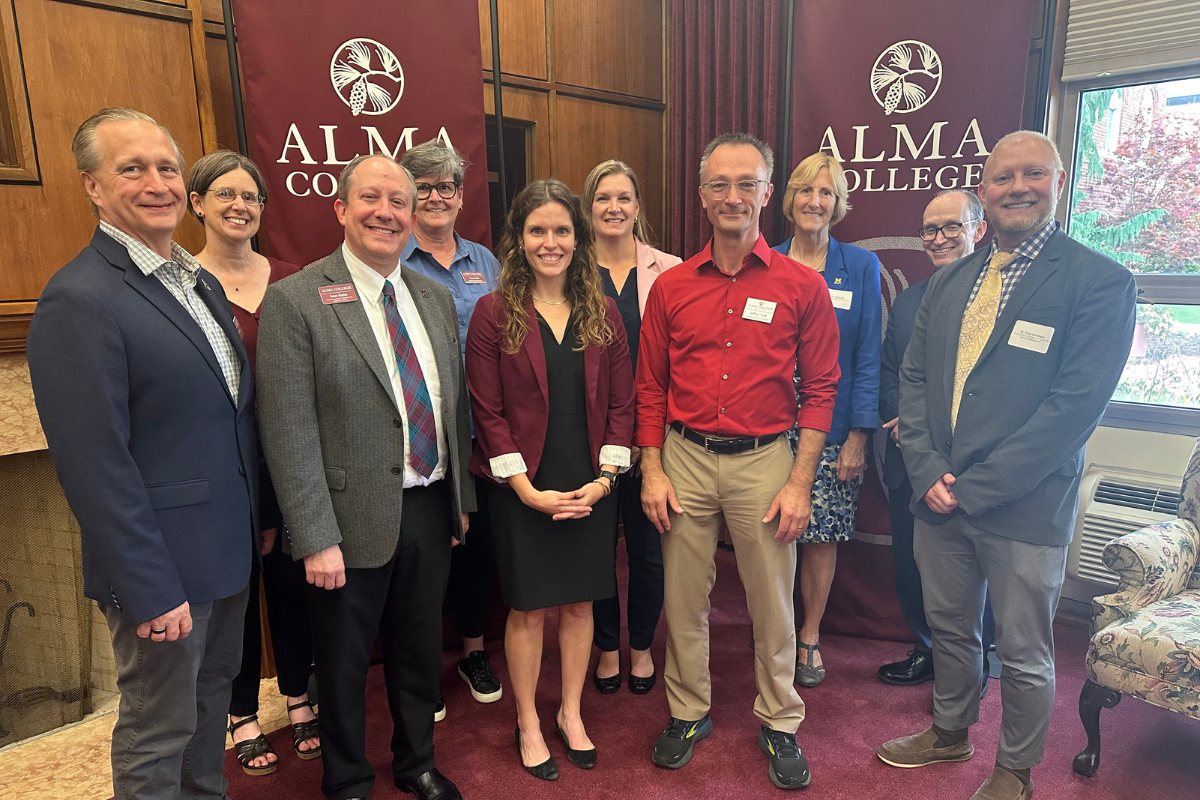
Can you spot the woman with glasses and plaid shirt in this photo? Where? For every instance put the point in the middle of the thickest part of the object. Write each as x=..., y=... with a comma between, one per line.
x=228, y=194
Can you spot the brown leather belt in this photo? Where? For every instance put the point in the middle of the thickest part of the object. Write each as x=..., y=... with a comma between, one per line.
x=723, y=445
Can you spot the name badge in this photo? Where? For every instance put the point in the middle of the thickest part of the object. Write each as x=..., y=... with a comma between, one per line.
x=841, y=298
x=759, y=310
x=341, y=293
x=473, y=277
x=1031, y=336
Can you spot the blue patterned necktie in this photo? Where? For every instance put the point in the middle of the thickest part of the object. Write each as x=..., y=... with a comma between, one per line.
x=422, y=432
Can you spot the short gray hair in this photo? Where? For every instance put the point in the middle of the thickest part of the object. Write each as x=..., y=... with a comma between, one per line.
x=86, y=149
x=347, y=174
x=739, y=138
x=1026, y=134
x=435, y=157
x=974, y=204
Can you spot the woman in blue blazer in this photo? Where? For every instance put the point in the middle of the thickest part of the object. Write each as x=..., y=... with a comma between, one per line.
x=815, y=200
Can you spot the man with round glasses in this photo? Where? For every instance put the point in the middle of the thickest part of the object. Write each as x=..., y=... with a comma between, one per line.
x=722, y=336
x=469, y=271
x=950, y=228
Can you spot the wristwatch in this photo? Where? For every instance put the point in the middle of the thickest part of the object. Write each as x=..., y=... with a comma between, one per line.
x=612, y=478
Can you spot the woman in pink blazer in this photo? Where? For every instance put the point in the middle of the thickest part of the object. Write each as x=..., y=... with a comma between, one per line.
x=628, y=268
x=552, y=399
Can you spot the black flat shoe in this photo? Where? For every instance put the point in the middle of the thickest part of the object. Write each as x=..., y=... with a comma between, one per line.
x=547, y=770
x=584, y=759
x=642, y=685
x=608, y=685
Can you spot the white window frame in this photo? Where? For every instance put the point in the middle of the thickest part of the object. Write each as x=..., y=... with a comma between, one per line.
x=1152, y=288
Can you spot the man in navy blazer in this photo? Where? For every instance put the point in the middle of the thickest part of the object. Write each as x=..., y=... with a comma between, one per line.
x=1014, y=355
x=951, y=226
x=145, y=397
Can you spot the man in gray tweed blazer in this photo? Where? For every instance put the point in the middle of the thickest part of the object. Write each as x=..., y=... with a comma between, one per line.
x=363, y=411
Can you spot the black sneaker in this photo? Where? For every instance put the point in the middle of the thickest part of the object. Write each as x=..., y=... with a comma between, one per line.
x=673, y=747
x=439, y=713
x=787, y=767
x=476, y=670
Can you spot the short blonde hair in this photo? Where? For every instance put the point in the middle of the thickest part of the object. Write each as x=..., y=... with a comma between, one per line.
x=806, y=172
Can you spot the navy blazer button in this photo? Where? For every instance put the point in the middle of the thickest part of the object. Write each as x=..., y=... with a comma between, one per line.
x=396, y=470
x=396, y=423
x=241, y=470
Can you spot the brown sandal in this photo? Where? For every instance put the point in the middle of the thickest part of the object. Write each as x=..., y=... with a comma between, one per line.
x=249, y=749
x=303, y=731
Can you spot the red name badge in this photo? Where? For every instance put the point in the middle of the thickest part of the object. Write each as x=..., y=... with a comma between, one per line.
x=473, y=277
x=342, y=293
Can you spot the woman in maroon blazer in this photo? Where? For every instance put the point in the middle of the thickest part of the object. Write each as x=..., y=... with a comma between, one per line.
x=552, y=398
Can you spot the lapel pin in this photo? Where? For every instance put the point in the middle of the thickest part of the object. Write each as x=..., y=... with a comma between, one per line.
x=424, y=293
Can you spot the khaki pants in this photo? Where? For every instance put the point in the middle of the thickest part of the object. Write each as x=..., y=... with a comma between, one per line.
x=737, y=490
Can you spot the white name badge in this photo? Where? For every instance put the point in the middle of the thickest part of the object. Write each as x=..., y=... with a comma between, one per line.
x=1031, y=336
x=841, y=298
x=759, y=310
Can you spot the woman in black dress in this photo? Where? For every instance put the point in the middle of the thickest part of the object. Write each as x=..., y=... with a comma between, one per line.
x=228, y=195
x=552, y=398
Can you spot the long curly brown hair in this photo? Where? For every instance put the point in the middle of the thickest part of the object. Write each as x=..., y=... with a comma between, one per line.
x=582, y=289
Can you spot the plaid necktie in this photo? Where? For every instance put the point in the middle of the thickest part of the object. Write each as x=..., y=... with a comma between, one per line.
x=977, y=325
x=422, y=432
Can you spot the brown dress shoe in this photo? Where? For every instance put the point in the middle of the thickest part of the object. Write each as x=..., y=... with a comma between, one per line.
x=1003, y=785
x=921, y=749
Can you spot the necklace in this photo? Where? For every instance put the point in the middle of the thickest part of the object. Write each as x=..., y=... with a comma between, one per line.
x=547, y=302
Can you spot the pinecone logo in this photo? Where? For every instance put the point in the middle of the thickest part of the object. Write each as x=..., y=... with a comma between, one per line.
x=901, y=85
x=367, y=76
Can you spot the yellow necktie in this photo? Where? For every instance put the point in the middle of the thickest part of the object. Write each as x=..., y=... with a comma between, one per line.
x=977, y=324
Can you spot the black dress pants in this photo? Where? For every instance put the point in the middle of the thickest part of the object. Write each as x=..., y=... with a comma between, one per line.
x=643, y=550
x=473, y=570
x=402, y=602
x=287, y=613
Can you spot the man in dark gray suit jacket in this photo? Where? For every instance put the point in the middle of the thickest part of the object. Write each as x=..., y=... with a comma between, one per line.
x=1013, y=358
x=363, y=411
x=951, y=225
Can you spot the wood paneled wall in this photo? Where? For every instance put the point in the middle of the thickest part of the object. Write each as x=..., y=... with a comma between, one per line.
x=589, y=79
x=75, y=58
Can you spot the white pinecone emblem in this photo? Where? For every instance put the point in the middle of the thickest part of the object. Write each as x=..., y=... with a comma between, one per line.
x=367, y=76
x=901, y=86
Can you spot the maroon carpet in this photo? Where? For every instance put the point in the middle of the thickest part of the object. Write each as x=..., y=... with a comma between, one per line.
x=1149, y=752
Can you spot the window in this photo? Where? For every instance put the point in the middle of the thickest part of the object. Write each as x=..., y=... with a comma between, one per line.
x=1134, y=197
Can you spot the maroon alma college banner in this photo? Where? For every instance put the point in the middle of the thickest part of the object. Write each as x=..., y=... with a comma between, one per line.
x=910, y=96
x=325, y=82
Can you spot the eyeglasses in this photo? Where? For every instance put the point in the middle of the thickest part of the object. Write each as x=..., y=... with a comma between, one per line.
x=719, y=189
x=227, y=195
x=950, y=230
x=445, y=189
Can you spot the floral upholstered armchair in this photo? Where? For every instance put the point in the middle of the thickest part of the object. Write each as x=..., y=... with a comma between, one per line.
x=1146, y=635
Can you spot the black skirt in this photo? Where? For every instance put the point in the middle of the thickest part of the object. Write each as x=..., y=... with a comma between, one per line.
x=544, y=563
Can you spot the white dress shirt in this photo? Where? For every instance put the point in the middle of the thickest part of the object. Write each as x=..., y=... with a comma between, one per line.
x=369, y=285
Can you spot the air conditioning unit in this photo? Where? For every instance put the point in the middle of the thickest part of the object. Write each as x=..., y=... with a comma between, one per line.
x=1115, y=501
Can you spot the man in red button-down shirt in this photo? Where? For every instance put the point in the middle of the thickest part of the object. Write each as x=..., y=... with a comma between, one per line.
x=722, y=336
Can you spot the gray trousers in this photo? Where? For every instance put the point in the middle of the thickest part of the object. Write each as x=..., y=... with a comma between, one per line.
x=169, y=741
x=960, y=565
